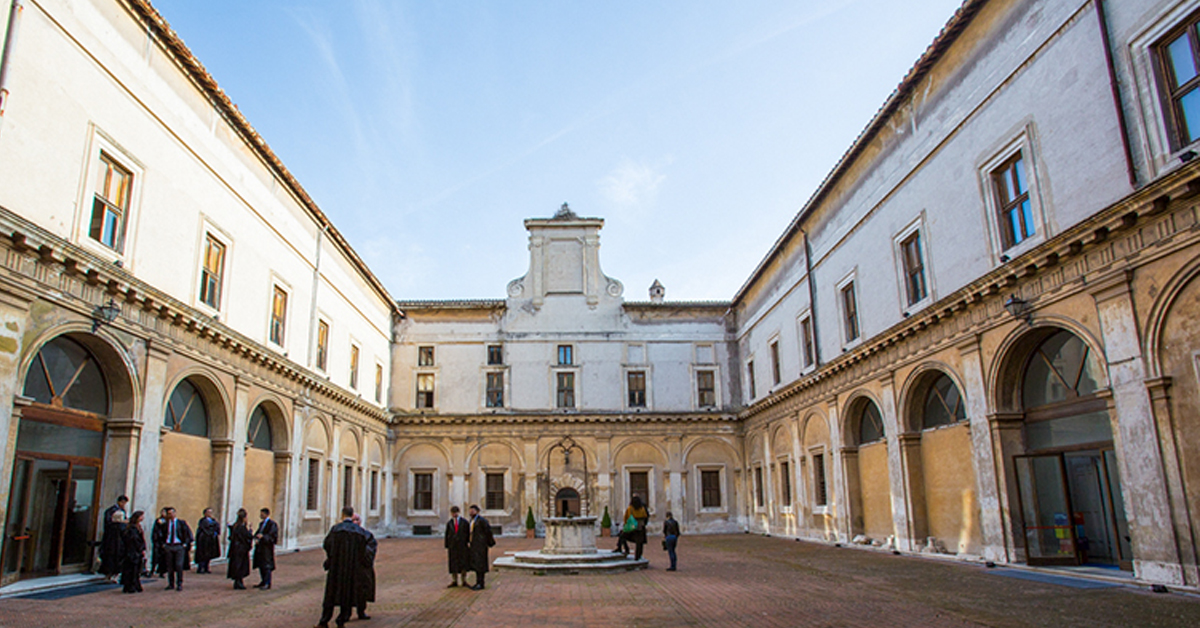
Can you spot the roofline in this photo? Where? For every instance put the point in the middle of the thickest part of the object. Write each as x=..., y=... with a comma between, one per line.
x=456, y=304
x=204, y=81
x=933, y=53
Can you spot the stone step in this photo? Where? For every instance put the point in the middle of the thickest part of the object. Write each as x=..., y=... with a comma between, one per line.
x=619, y=565
x=550, y=559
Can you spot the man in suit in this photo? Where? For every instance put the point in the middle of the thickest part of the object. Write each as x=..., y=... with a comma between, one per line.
x=176, y=543
x=110, y=542
x=366, y=583
x=346, y=554
x=208, y=541
x=481, y=540
x=265, y=539
x=458, y=541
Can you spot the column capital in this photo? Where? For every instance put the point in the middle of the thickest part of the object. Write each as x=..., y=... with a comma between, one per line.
x=1006, y=420
x=1111, y=286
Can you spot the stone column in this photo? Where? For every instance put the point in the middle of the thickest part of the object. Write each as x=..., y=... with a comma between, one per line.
x=154, y=399
x=1160, y=402
x=334, y=507
x=297, y=480
x=282, y=510
x=836, y=492
x=1139, y=459
x=912, y=479
x=898, y=471
x=237, y=472
x=1008, y=440
x=675, y=471
x=14, y=316
x=604, y=478
x=458, y=474
x=530, y=497
x=389, y=490
x=222, y=461
x=986, y=454
x=800, y=495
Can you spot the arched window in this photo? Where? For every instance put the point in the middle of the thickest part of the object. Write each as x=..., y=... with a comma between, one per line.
x=186, y=412
x=1061, y=369
x=66, y=375
x=259, y=431
x=943, y=404
x=870, y=423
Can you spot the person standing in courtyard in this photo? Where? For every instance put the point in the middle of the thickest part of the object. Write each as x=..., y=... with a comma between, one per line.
x=458, y=540
x=241, y=539
x=481, y=540
x=157, y=564
x=366, y=586
x=265, y=539
x=670, y=538
x=208, y=541
x=345, y=555
x=133, y=554
x=641, y=516
x=177, y=543
x=110, y=540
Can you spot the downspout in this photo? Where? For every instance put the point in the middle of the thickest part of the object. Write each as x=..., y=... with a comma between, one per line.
x=10, y=37
x=812, y=299
x=312, y=309
x=1116, y=94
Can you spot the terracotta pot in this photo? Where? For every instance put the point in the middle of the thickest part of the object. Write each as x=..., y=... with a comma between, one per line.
x=530, y=533
x=605, y=531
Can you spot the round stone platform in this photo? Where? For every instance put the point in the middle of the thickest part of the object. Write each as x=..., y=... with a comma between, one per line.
x=601, y=561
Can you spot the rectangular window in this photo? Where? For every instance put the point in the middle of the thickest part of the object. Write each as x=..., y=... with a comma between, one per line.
x=278, y=315
x=348, y=487
x=110, y=208
x=785, y=484
x=750, y=384
x=495, y=492
x=378, y=384
x=807, y=346
x=1012, y=199
x=1178, y=56
x=776, y=371
x=424, y=390
x=639, y=484
x=820, y=496
x=374, y=490
x=565, y=390
x=706, y=389
x=710, y=489
x=495, y=355
x=212, y=272
x=495, y=390
x=424, y=356
x=311, y=501
x=850, y=312
x=354, y=366
x=914, y=268
x=636, y=382
x=758, y=487
x=566, y=355
x=322, y=345
x=422, y=491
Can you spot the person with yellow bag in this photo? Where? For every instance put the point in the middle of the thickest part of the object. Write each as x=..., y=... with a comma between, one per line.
x=637, y=516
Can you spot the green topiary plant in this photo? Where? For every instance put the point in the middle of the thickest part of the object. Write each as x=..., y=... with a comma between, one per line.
x=529, y=522
x=606, y=521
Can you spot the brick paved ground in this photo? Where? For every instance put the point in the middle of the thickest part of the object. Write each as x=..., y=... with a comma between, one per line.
x=723, y=581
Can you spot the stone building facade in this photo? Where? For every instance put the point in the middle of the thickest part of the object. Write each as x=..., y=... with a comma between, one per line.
x=977, y=338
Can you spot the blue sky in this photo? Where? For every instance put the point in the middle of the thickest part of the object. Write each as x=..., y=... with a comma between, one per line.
x=429, y=130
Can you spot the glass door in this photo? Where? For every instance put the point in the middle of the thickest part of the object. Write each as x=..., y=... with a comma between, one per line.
x=1046, y=510
x=17, y=534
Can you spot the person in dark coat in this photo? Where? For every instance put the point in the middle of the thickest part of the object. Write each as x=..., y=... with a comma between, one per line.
x=208, y=541
x=110, y=540
x=157, y=565
x=133, y=554
x=345, y=557
x=458, y=539
x=177, y=544
x=481, y=540
x=241, y=539
x=366, y=588
x=265, y=539
x=670, y=538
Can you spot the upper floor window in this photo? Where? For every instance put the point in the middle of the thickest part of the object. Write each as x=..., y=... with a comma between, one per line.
x=110, y=208
x=495, y=355
x=212, y=272
x=636, y=382
x=750, y=379
x=354, y=366
x=424, y=390
x=776, y=371
x=915, y=287
x=850, y=312
x=378, y=383
x=807, y=345
x=278, y=315
x=1180, y=59
x=565, y=390
x=322, y=345
x=706, y=389
x=495, y=390
x=424, y=356
x=566, y=355
x=1012, y=200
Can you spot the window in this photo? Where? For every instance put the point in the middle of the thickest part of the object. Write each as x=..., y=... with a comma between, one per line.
x=706, y=389
x=212, y=272
x=354, y=366
x=807, y=346
x=1012, y=199
x=348, y=486
x=776, y=375
x=374, y=490
x=914, y=268
x=322, y=345
x=850, y=312
x=566, y=355
x=943, y=404
x=636, y=382
x=820, y=491
x=378, y=383
x=750, y=379
x=278, y=315
x=758, y=488
x=314, y=484
x=639, y=484
x=1178, y=57
x=110, y=207
x=710, y=488
x=422, y=491
x=870, y=423
x=424, y=356
x=495, y=390
x=565, y=389
x=258, y=429
x=494, y=499
x=785, y=483
x=495, y=355
x=424, y=390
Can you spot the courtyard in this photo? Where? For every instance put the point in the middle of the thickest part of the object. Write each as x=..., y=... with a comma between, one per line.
x=736, y=580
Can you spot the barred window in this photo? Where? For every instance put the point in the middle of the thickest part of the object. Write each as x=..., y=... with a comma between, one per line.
x=820, y=491
x=785, y=484
x=312, y=498
x=495, y=491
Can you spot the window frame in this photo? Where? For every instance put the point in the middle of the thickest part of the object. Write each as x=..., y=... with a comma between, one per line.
x=849, y=284
x=776, y=362
x=629, y=390
x=433, y=492
x=564, y=355
x=758, y=488
x=277, y=287
x=355, y=357
x=312, y=492
x=819, y=480
x=557, y=391
x=720, y=470
x=379, y=376
x=321, y=349
x=784, y=466
x=1164, y=147
x=488, y=389
x=487, y=492
x=807, y=341
x=627, y=472
x=1022, y=143
x=751, y=380
x=426, y=356
x=209, y=232
x=494, y=350
x=100, y=142
x=375, y=477
x=431, y=404
x=716, y=391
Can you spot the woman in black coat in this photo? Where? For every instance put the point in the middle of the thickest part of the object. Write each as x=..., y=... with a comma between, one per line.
x=133, y=548
x=240, y=541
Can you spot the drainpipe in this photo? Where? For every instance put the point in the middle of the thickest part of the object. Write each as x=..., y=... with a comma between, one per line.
x=10, y=37
x=312, y=309
x=812, y=299
x=1116, y=93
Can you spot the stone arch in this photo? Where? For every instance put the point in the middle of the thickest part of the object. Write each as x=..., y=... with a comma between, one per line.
x=721, y=512
x=216, y=398
x=662, y=452
x=516, y=452
x=318, y=435
x=851, y=415
x=632, y=458
x=1006, y=372
x=866, y=471
x=1158, y=317
x=193, y=471
x=116, y=363
x=264, y=479
x=350, y=445
x=281, y=426
x=733, y=452
x=400, y=453
x=915, y=387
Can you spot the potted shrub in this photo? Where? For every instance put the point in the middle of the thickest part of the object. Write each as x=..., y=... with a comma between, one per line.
x=606, y=524
x=530, y=524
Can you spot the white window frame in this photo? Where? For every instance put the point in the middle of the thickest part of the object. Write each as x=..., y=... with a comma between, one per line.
x=717, y=392
x=319, y=456
x=750, y=379
x=381, y=392
x=481, y=493
x=789, y=507
x=277, y=282
x=775, y=354
x=426, y=370
x=849, y=343
x=916, y=226
x=322, y=318
x=813, y=452
x=375, y=467
x=208, y=228
x=721, y=481
x=759, y=469
x=806, y=366
x=412, y=487
x=1149, y=90
x=505, y=390
x=1022, y=141
x=648, y=370
x=102, y=142
x=351, y=367
x=554, y=371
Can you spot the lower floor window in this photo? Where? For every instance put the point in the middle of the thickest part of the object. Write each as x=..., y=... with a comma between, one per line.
x=495, y=491
x=422, y=491
x=710, y=489
x=314, y=484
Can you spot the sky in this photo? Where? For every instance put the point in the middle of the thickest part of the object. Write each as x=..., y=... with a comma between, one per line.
x=428, y=131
